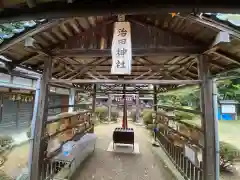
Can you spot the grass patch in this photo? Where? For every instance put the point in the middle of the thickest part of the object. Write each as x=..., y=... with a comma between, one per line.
x=229, y=131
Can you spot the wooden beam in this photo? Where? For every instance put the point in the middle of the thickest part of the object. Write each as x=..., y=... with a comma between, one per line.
x=76, y=70
x=56, y=9
x=172, y=73
x=133, y=65
x=91, y=75
x=100, y=75
x=161, y=51
x=110, y=81
x=228, y=56
x=86, y=68
x=143, y=74
x=27, y=58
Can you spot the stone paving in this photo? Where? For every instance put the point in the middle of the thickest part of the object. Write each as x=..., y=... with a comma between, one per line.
x=104, y=165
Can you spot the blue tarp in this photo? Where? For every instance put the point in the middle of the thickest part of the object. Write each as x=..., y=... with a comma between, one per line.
x=227, y=117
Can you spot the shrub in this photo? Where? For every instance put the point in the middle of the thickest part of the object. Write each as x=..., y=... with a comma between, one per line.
x=147, y=116
x=180, y=115
x=114, y=116
x=5, y=140
x=29, y=131
x=4, y=176
x=133, y=115
x=228, y=153
x=150, y=126
x=82, y=106
x=101, y=113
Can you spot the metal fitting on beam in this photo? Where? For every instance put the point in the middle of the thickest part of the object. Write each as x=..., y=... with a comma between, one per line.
x=121, y=18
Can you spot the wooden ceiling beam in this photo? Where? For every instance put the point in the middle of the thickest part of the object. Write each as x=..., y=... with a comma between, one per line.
x=169, y=73
x=27, y=58
x=79, y=69
x=229, y=57
x=161, y=51
x=59, y=9
x=87, y=68
x=133, y=65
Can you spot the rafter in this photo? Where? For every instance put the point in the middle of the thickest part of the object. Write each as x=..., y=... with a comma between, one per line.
x=91, y=75
x=82, y=69
x=228, y=56
x=100, y=75
x=90, y=30
x=165, y=72
x=149, y=71
x=158, y=28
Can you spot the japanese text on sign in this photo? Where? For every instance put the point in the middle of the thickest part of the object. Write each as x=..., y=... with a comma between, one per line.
x=121, y=49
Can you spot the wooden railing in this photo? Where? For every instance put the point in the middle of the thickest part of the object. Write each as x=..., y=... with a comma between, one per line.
x=182, y=148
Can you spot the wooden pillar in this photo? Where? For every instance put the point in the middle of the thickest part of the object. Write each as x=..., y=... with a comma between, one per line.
x=109, y=107
x=94, y=93
x=71, y=99
x=155, y=99
x=124, y=107
x=137, y=108
x=38, y=132
x=208, y=123
x=155, y=107
x=215, y=102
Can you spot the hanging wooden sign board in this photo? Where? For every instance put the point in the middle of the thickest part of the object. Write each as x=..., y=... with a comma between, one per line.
x=121, y=49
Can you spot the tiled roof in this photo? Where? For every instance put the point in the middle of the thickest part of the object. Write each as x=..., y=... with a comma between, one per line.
x=12, y=30
x=232, y=20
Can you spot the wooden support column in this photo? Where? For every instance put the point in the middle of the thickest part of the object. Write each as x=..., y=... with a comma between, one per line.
x=155, y=107
x=137, y=108
x=94, y=106
x=124, y=107
x=155, y=99
x=215, y=102
x=208, y=123
x=94, y=93
x=39, y=147
x=71, y=99
x=109, y=107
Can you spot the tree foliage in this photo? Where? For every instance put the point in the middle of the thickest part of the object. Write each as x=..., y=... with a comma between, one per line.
x=227, y=90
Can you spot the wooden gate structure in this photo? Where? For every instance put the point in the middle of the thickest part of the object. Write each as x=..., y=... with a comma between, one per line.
x=168, y=52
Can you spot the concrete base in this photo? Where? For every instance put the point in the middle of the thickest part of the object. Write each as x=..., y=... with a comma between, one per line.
x=124, y=148
x=109, y=122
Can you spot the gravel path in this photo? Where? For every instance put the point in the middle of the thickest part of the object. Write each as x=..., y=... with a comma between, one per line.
x=103, y=165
